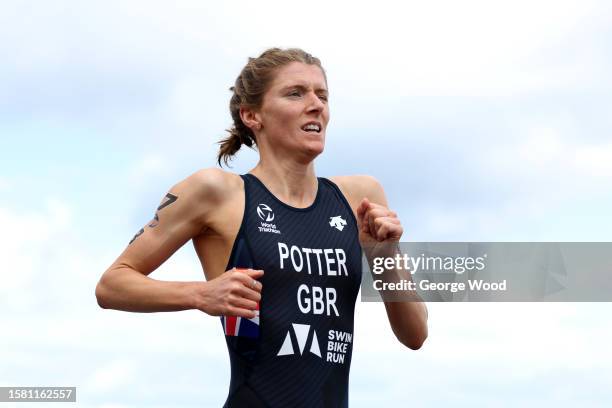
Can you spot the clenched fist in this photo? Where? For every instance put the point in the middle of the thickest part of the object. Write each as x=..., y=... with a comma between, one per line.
x=234, y=293
x=377, y=223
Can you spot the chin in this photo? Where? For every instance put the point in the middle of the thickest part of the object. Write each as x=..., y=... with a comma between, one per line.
x=312, y=150
x=316, y=147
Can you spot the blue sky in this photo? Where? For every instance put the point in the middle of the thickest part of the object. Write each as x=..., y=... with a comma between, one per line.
x=482, y=120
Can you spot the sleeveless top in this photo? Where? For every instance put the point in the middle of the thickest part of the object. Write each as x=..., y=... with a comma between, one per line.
x=297, y=351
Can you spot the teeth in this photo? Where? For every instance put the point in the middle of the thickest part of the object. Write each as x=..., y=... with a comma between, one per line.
x=311, y=127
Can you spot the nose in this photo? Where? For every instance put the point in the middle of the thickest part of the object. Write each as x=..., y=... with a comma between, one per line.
x=314, y=102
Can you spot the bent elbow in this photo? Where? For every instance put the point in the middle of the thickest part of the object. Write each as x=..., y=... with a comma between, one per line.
x=415, y=345
x=101, y=295
x=415, y=342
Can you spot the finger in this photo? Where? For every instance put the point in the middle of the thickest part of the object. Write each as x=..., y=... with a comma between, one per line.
x=382, y=232
x=370, y=219
x=376, y=215
x=249, y=293
x=383, y=220
x=378, y=212
x=384, y=210
x=389, y=231
x=243, y=303
x=251, y=284
x=248, y=278
x=241, y=312
x=371, y=224
x=253, y=273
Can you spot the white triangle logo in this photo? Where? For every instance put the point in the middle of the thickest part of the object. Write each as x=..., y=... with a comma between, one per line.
x=314, y=346
x=286, y=349
x=301, y=332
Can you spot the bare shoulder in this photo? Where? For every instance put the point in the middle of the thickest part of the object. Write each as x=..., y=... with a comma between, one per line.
x=204, y=192
x=356, y=187
x=213, y=184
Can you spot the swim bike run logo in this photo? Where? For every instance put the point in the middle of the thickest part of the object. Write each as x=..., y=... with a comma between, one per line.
x=337, y=345
x=266, y=214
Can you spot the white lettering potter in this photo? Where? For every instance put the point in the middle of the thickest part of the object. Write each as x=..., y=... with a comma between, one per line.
x=335, y=259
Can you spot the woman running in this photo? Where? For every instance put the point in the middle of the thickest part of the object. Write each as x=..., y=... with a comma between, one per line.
x=280, y=247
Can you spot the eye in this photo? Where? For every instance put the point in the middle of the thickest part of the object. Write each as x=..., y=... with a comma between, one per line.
x=323, y=97
x=294, y=93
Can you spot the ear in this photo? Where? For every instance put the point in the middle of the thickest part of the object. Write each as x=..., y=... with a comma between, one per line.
x=251, y=118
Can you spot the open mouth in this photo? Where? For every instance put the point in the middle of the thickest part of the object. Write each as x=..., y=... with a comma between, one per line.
x=312, y=127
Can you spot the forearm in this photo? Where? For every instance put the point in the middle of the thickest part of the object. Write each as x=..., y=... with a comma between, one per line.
x=408, y=321
x=406, y=311
x=129, y=290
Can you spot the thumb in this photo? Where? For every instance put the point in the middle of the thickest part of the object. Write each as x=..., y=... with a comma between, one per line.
x=253, y=273
x=361, y=212
x=363, y=206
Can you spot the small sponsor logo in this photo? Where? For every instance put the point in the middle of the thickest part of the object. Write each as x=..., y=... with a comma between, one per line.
x=265, y=212
x=337, y=222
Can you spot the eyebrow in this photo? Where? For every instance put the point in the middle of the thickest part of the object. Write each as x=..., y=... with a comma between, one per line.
x=302, y=87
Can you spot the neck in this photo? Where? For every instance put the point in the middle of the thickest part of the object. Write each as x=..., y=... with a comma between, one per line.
x=293, y=183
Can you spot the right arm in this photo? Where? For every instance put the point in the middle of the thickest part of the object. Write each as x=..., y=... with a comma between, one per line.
x=183, y=214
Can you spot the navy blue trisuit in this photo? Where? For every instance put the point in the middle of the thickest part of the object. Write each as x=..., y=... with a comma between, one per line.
x=297, y=351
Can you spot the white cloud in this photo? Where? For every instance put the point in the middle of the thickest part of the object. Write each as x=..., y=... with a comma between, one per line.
x=113, y=376
x=146, y=168
x=545, y=148
x=434, y=48
x=24, y=245
x=528, y=186
x=543, y=151
x=508, y=346
x=542, y=146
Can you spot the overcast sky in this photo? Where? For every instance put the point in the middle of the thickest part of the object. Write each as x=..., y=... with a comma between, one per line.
x=483, y=120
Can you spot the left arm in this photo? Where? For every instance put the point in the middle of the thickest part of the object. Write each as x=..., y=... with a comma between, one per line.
x=379, y=224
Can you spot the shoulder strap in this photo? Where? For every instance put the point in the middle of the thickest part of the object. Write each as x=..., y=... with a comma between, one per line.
x=340, y=196
x=240, y=256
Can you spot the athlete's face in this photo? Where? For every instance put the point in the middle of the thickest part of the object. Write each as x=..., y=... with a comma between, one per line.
x=296, y=97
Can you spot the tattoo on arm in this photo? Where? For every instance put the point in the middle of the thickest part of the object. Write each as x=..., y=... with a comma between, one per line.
x=168, y=199
x=139, y=233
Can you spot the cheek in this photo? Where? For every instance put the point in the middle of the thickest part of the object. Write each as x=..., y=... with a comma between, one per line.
x=283, y=116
